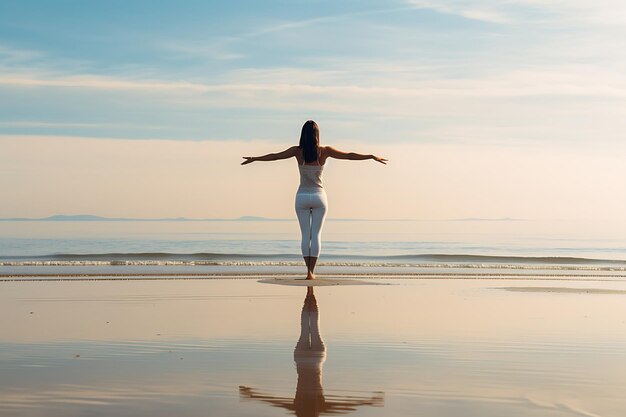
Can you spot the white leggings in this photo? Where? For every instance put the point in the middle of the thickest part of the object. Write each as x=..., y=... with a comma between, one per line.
x=311, y=212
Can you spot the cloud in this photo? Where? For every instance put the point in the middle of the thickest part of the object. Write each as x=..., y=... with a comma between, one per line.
x=557, y=104
x=232, y=47
x=474, y=10
x=565, y=80
x=60, y=125
x=564, y=12
x=9, y=55
x=207, y=50
x=600, y=12
x=97, y=82
x=297, y=24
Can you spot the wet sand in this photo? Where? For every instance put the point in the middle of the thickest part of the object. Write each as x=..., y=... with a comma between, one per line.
x=237, y=347
x=565, y=290
x=318, y=282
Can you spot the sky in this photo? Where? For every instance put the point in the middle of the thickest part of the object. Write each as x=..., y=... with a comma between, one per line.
x=484, y=108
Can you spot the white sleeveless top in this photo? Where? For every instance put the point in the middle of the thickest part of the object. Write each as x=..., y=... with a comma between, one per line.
x=311, y=178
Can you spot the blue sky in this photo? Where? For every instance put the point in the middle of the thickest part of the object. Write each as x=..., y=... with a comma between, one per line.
x=508, y=79
x=374, y=70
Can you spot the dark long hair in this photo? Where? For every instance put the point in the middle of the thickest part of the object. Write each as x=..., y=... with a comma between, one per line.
x=310, y=141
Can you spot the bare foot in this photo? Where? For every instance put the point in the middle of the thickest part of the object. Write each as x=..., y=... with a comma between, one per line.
x=310, y=275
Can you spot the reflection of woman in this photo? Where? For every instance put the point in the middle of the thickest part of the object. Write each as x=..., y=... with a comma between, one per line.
x=311, y=201
x=309, y=356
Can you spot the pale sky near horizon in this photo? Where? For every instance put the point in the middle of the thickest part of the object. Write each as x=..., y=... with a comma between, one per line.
x=143, y=109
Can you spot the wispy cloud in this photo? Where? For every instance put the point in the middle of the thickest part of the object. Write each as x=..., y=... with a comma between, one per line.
x=60, y=125
x=564, y=104
x=600, y=12
x=98, y=82
x=226, y=48
x=320, y=19
x=474, y=10
x=567, y=80
x=10, y=55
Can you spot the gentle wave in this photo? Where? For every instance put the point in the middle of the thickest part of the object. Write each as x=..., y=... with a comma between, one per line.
x=210, y=256
x=438, y=261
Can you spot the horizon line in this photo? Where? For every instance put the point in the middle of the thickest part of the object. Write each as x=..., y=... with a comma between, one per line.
x=96, y=218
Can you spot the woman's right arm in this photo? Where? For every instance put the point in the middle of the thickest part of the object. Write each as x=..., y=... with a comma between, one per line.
x=337, y=154
x=288, y=153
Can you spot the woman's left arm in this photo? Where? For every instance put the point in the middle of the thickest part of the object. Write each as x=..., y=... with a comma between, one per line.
x=286, y=154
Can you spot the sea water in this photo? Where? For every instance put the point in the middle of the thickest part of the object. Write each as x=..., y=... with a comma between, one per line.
x=265, y=246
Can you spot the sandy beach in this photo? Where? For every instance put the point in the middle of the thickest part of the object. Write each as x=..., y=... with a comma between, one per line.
x=228, y=347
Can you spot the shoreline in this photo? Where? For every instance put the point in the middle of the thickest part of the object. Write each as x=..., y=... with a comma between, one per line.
x=335, y=276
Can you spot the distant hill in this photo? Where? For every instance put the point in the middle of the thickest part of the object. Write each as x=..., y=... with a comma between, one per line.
x=77, y=217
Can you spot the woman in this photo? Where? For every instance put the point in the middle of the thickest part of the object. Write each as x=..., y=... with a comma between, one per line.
x=311, y=198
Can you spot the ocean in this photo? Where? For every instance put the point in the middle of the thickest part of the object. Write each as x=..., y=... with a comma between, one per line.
x=268, y=247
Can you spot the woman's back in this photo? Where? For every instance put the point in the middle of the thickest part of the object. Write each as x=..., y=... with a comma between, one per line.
x=320, y=160
x=311, y=178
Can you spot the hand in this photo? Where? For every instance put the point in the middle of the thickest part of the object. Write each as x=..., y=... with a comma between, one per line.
x=248, y=160
x=379, y=159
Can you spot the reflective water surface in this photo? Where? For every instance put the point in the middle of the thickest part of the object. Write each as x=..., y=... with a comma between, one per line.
x=309, y=356
x=242, y=348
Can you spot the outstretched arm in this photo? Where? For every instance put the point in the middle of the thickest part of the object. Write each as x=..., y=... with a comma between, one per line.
x=287, y=153
x=337, y=154
x=283, y=402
